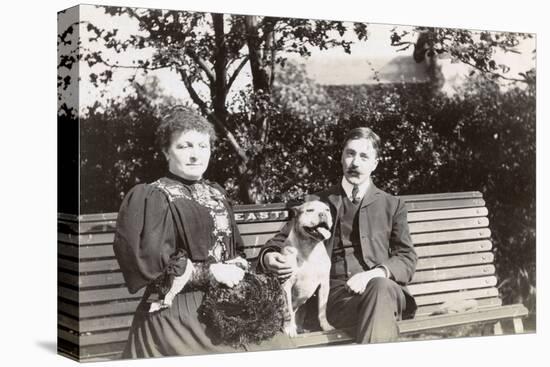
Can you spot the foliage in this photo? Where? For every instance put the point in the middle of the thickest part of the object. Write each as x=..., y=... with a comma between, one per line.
x=474, y=48
x=117, y=147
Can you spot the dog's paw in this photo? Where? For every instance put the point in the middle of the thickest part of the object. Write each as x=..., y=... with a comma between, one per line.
x=325, y=326
x=291, y=331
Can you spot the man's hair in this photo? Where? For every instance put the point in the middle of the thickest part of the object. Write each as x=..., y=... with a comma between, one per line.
x=181, y=119
x=364, y=133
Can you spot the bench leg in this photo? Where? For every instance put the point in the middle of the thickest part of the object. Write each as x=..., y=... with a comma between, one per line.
x=497, y=328
x=518, y=325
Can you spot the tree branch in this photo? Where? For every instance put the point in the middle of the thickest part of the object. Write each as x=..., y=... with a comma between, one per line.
x=202, y=64
x=206, y=112
x=236, y=72
x=494, y=73
x=135, y=66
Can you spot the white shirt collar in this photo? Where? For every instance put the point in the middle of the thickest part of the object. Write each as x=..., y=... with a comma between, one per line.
x=349, y=187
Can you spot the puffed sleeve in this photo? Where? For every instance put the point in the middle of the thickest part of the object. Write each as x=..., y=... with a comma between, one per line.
x=146, y=244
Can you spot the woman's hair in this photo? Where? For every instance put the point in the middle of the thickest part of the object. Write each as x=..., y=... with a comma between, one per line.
x=181, y=119
x=364, y=133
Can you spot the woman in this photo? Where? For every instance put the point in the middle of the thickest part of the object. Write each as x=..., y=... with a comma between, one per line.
x=178, y=229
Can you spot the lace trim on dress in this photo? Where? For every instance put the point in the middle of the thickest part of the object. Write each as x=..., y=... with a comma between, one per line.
x=210, y=198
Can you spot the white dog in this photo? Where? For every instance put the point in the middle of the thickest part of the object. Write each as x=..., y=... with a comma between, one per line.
x=306, y=252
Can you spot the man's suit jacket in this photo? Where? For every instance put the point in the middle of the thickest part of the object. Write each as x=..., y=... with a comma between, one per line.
x=383, y=233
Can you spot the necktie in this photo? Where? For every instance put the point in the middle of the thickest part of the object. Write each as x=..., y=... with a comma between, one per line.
x=354, y=193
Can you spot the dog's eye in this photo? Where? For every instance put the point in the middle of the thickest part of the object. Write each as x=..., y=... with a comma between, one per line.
x=310, y=210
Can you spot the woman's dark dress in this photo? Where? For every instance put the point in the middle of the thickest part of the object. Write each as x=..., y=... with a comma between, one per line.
x=161, y=225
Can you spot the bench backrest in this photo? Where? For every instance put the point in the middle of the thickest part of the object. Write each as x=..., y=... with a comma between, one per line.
x=450, y=232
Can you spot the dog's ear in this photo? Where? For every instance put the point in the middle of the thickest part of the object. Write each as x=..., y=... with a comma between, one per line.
x=295, y=210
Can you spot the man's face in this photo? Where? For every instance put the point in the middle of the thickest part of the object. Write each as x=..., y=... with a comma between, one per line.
x=359, y=160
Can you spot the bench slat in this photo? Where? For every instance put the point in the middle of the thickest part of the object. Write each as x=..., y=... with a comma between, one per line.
x=71, y=336
x=259, y=233
x=98, y=295
x=321, y=337
x=96, y=324
x=486, y=307
x=86, y=227
x=452, y=273
x=102, y=352
x=256, y=228
x=95, y=338
x=101, y=309
x=98, y=265
x=442, y=196
x=86, y=239
x=462, y=235
x=93, y=280
x=422, y=251
x=116, y=278
x=478, y=316
x=85, y=252
x=125, y=321
x=256, y=239
x=66, y=264
x=452, y=285
x=455, y=248
x=441, y=298
x=451, y=224
x=274, y=206
x=444, y=204
x=69, y=250
x=447, y=214
x=424, y=311
x=447, y=236
x=94, y=353
x=89, y=252
x=455, y=260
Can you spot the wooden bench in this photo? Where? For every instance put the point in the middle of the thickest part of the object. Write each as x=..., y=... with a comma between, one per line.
x=450, y=232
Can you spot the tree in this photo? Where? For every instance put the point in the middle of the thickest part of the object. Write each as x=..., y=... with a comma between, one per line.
x=474, y=48
x=211, y=50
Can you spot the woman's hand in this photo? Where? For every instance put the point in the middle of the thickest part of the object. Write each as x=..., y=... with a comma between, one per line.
x=228, y=274
x=240, y=262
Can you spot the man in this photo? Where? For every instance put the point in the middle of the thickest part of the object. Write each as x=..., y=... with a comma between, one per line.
x=370, y=248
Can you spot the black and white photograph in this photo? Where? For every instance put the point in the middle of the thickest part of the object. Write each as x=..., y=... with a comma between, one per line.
x=246, y=182
x=282, y=184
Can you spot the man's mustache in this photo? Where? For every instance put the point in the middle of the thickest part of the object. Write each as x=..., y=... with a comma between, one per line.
x=353, y=171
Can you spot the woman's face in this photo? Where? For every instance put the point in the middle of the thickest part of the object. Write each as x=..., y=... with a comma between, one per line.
x=189, y=154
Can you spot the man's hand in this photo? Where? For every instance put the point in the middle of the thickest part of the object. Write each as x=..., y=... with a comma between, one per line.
x=279, y=264
x=358, y=282
x=228, y=274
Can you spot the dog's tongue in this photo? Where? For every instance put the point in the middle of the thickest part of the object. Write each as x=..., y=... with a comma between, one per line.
x=323, y=231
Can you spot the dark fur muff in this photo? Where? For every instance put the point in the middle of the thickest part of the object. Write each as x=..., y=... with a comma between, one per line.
x=252, y=311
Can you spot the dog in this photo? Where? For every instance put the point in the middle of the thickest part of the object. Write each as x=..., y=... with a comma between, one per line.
x=306, y=252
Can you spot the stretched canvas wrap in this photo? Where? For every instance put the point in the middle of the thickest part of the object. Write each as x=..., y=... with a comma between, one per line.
x=154, y=261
